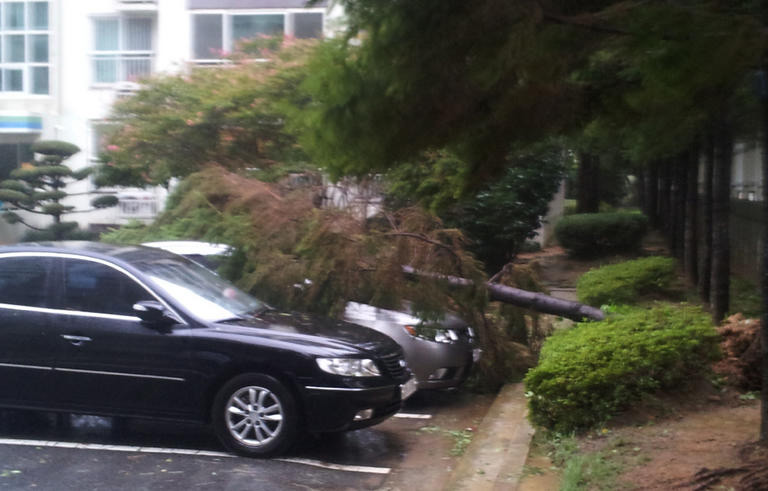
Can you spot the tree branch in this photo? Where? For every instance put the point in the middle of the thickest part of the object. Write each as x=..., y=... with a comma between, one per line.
x=583, y=24
x=521, y=298
x=29, y=210
x=424, y=238
x=21, y=221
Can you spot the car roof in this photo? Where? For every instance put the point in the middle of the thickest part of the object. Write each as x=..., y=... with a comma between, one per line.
x=191, y=247
x=99, y=250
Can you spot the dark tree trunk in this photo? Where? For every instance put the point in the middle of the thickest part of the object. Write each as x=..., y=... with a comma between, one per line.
x=521, y=298
x=691, y=257
x=652, y=199
x=640, y=183
x=721, y=200
x=677, y=235
x=665, y=186
x=706, y=220
x=764, y=324
x=588, y=187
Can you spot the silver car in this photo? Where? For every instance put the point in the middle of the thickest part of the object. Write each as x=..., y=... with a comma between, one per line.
x=439, y=353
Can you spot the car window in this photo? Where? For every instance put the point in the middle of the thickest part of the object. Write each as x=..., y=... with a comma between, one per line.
x=23, y=281
x=94, y=287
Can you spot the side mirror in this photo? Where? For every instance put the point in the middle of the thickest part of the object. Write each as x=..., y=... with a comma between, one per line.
x=152, y=312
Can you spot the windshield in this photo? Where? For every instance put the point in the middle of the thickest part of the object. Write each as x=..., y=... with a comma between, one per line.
x=200, y=291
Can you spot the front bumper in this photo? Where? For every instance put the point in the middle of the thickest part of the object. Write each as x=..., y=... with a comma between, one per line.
x=334, y=408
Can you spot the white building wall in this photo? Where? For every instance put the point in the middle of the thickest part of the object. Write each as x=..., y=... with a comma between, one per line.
x=76, y=103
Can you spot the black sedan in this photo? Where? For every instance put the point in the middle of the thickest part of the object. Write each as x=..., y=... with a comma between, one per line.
x=139, y=332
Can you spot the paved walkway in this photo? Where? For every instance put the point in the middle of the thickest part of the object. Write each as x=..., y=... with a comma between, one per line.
x=495, y=458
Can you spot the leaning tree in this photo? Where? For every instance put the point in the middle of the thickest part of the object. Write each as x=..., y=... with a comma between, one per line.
x=38, y=188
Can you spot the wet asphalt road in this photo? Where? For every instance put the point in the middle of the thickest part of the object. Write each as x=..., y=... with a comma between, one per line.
x=148, y=455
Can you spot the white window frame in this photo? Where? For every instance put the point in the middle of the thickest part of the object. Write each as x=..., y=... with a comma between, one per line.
x=228, y=43
x=121, y=55
x=25, y=66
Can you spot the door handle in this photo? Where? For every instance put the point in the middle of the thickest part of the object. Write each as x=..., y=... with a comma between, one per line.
x=76, y=340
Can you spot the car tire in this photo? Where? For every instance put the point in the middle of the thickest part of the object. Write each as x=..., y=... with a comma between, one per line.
x=255, y=415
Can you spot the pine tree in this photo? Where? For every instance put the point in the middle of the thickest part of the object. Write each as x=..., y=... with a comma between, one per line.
x=39, y=188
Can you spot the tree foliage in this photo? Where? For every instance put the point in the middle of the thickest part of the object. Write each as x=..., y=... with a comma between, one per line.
x=425, y=76
x=38, y=188
x=231, y=115
x=499, y=217
x=628, y=78
x=286, y=239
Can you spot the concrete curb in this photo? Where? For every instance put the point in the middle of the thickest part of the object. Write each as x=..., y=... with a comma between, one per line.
x=495, y=458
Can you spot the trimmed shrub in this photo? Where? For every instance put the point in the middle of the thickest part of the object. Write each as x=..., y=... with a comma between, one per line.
x=590, y=372
x=626, y=282
x=590, y=234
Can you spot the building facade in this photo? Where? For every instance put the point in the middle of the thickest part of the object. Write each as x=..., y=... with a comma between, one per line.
x=63, y=63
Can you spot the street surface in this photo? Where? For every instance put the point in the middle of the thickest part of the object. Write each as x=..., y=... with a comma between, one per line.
x=45, y=451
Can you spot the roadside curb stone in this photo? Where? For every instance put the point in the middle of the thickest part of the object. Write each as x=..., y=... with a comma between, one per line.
x=495, y=458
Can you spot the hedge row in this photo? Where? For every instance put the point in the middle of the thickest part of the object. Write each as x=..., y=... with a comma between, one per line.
x=627, y=282
x=590, y=234
x=590, y=372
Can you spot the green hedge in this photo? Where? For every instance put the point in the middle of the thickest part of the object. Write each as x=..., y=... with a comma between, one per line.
x=627, y=282
x=588, y=373
x=590, y=234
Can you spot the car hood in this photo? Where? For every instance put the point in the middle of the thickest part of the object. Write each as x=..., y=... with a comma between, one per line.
x=310, y=330
x=366, y=315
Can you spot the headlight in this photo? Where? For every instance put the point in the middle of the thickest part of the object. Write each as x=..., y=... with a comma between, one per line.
x=432, y=333
x=349, y=367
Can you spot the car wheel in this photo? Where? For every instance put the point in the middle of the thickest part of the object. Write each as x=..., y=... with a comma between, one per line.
x=255, y=415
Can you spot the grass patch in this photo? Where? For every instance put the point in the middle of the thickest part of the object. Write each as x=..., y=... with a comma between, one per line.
x=590, y=471
x=583, y=470
x=461, y=438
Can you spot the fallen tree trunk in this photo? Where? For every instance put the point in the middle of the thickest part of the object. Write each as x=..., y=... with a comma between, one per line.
x=521, y=298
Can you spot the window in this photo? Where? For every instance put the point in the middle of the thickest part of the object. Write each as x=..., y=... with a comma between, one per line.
x=12, y=155
x=122, y=49
x=308, y=25
x=208, y=36
x=214, y=34
x=24, y=281
x=94, y=287
x=252, y=25
x=24, y=47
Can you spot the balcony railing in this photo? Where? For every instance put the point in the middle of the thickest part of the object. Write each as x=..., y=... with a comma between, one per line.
x=121, y=67
x=137, y=5
x=137, y=207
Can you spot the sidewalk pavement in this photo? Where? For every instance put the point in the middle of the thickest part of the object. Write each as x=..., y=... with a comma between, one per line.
x=495, y=458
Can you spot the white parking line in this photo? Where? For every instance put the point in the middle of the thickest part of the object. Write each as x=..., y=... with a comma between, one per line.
x=413, y=416
x=185, y=451
x=339, y=467
x=112, y=448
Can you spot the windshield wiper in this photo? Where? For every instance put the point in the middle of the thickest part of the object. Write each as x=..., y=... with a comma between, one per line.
x=236, y=318
x=260, y=310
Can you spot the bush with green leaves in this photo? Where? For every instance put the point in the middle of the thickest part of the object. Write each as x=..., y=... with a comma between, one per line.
x=592, y=371
x=498, y=217
x=626, y=282
x=591, y=234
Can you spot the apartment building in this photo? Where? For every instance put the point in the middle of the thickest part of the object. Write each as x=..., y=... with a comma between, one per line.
x=63, y=63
